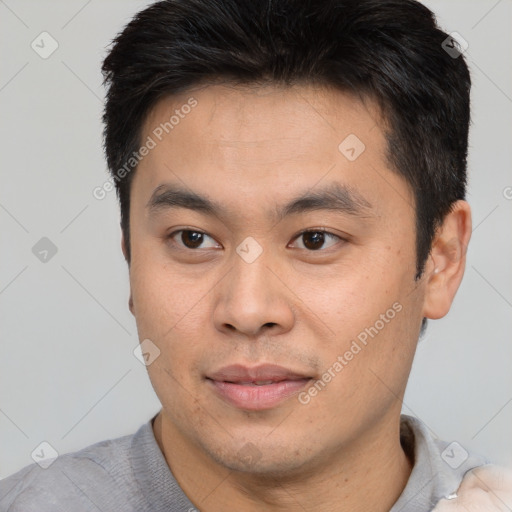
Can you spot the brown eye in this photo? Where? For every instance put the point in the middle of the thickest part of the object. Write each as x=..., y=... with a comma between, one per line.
x=191, y=239
x=316, y=240
x=313, y=240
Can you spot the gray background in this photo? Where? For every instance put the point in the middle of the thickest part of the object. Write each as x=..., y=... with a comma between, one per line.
x=67, y=370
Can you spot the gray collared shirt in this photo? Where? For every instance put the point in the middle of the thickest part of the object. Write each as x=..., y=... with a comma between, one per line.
x=130, y=474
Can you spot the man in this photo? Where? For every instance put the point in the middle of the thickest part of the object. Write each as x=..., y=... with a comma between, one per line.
x=291, y=177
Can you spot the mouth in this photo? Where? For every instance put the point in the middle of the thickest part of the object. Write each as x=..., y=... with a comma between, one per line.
x=256, y=388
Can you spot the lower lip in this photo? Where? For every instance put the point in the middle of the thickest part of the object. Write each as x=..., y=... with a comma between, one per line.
x=256, y=398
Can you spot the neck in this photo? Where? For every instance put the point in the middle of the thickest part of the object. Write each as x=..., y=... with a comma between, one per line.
x=369, y=475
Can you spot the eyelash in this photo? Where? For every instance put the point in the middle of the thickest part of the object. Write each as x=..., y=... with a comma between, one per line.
x=296, y=237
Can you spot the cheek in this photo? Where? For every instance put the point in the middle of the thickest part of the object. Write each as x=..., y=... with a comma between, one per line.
x=374, y=315
x=365, y=374
x=173, y=320
x=351, y=299
x=163, y=299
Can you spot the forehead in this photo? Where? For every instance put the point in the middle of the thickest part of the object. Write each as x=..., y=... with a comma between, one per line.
x=257, y=142
x=251, y=117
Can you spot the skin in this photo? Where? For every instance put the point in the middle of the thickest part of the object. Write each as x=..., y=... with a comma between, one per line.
x=253, y=150
x=483, y=489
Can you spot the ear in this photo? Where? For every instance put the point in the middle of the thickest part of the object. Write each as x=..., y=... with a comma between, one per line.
x=447, y=260
x=125, y=254
x=123, y=247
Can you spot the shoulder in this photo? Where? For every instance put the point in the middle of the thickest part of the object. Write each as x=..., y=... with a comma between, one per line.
x=438, y=466
x=446, y=455
x=486, y=488
x=83, y=479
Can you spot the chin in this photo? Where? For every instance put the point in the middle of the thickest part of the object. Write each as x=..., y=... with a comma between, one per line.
x=262, y=461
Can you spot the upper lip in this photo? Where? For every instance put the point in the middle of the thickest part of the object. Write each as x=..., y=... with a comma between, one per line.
x=241, y=373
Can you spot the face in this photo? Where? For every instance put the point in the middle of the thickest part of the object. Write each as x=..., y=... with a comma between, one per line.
x=271, y=243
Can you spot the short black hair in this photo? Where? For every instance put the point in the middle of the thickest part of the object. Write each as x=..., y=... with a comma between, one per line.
x=389, y=51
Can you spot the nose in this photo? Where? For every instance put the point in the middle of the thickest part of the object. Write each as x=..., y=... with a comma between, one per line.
x=253, y=300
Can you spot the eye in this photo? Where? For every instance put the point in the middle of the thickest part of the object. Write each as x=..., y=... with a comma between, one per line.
x=192, y=239
x=314, y=240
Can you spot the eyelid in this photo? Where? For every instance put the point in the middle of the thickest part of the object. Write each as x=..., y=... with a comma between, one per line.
x=171, y=236
x=320, y=230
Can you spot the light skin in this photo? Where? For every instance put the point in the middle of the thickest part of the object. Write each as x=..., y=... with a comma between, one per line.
x=300, y=304
x=484, y=489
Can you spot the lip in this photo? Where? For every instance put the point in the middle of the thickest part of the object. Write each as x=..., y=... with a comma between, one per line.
x=235, y=384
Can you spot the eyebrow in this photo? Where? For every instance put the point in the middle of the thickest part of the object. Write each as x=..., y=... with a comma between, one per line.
x=335, y=197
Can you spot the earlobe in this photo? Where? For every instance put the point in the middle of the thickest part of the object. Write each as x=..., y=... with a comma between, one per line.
x=123, y=247
x=125, y=254
x=447, y=260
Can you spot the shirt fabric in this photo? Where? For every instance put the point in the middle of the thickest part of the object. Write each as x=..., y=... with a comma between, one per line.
x=130, y=474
